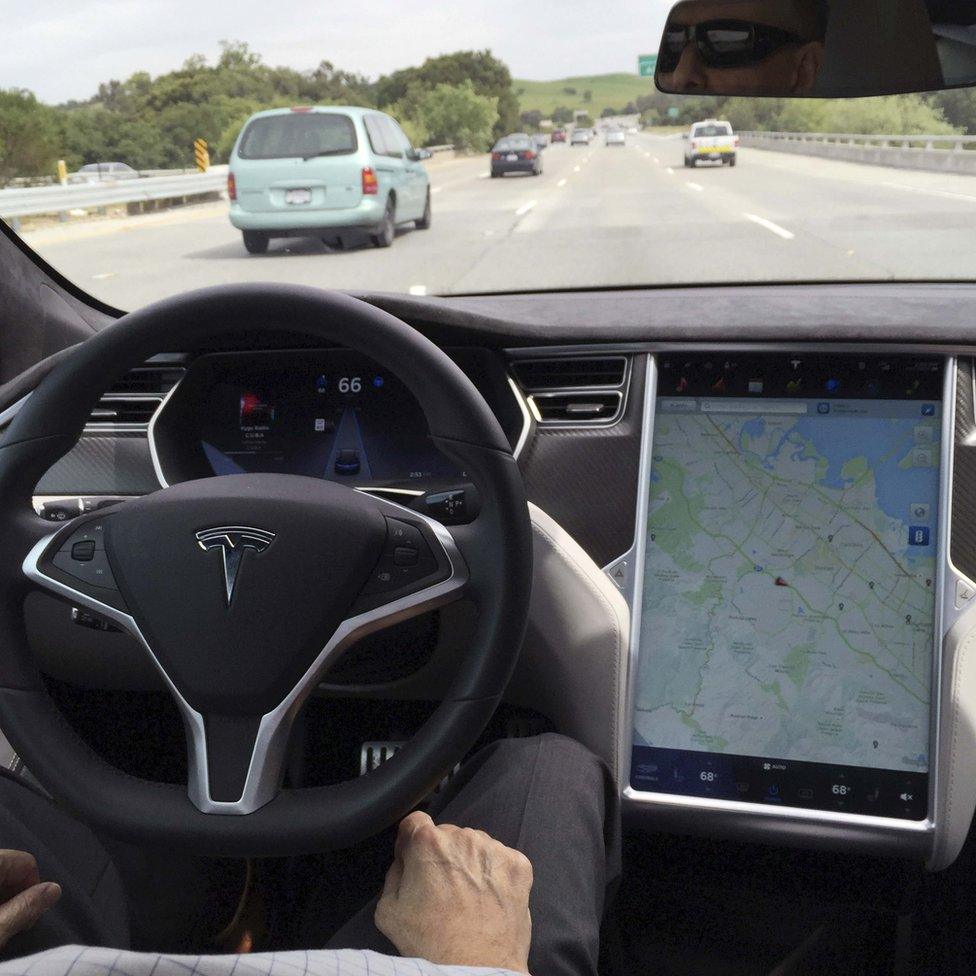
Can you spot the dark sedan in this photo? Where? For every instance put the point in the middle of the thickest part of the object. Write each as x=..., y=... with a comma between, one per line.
x=515, y=154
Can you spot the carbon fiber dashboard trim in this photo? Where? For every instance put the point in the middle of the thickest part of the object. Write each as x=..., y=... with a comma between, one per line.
x=586, y=479
x=115, y=464
x=963, y=543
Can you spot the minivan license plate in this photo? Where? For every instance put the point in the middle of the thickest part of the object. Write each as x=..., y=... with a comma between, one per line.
x=298, y=196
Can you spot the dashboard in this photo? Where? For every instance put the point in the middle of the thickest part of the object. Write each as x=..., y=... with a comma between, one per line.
x=791, y=525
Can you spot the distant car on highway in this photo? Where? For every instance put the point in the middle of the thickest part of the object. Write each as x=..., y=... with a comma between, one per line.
x=558, y=135
x=580, y=137
x=318, y=171
x=103, y=173
x=614, y=137
x=515, y=153
x=712, y=140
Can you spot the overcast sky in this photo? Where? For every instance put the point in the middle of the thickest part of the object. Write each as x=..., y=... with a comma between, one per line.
x=62, y=49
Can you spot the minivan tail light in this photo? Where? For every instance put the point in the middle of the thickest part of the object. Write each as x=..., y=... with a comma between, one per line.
x=371, y=185
x=735, y=141
x=231, y=187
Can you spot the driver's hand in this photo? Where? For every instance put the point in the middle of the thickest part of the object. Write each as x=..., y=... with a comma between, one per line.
x=23, y=899
x=456, y=897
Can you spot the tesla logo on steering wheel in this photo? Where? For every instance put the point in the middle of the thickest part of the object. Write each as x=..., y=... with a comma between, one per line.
x=233, y=541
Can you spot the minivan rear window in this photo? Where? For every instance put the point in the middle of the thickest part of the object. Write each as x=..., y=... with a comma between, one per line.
x=298, y=134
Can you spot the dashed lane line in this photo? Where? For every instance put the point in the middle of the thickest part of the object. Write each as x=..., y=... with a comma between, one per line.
x=770, y=226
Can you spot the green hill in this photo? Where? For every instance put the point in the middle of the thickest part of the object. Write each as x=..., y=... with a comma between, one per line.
x=608, y=91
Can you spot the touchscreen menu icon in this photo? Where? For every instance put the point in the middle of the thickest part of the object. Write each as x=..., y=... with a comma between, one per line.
x=918, y=535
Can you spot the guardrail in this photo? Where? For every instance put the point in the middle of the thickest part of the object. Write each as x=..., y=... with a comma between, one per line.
x=940, y=153
x=28, y=202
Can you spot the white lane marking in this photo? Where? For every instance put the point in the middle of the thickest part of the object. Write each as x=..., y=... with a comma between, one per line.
x=670, y=171
x=770, y=226
x=525, y=208
x=484, y=176
x=102, y=277
x=647, y=155
x=418, y=289
x=489, y=233
x=928, y=192
x=656, y=160
x=695, y=186
x=435, y=189
x=562, y=182
x=576, y=169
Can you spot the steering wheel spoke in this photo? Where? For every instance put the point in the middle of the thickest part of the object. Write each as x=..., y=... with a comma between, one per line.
x=419, y=569
x=72, y=562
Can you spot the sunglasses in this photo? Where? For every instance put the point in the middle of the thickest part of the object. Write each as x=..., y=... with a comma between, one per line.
x=723, y=43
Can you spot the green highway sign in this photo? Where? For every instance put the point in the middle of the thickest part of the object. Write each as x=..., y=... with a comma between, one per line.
x=646, y=64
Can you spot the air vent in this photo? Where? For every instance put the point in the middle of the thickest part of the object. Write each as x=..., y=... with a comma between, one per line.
x=582, y=407
x=130, y=404
x=156, y=380
x=570, y=372
x=574, y=391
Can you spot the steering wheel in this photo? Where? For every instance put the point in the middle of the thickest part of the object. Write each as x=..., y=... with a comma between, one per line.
x=244, y=589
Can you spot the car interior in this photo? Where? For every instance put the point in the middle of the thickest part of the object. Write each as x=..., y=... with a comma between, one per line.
x=723, y=535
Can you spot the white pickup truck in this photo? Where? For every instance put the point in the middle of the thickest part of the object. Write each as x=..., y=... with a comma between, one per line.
x=713, y=140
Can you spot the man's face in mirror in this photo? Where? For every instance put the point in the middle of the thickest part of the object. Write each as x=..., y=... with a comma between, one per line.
x=772, y=47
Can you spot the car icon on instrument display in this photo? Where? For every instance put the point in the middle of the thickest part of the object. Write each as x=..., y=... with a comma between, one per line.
x=347, y=461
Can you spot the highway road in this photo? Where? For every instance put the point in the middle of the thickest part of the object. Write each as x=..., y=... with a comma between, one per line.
x=598, y=216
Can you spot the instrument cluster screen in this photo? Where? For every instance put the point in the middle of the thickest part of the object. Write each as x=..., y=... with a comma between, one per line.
x=334, y=415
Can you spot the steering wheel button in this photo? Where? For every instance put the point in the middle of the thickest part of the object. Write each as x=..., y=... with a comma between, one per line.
x=94, y=571
x=405, y=556
x=93, y=533
x=83, y=551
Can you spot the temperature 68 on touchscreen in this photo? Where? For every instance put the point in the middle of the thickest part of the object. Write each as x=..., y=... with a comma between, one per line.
x=789, y=586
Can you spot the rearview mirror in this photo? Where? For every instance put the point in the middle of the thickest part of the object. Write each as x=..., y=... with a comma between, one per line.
x=817, y=48
x=417, y=155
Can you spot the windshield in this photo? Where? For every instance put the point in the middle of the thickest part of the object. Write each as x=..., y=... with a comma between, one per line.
x=397, y=148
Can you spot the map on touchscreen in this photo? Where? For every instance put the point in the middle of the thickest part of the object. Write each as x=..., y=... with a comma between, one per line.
x=790, y=577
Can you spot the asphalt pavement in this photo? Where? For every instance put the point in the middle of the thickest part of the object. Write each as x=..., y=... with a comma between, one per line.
x=598, y=216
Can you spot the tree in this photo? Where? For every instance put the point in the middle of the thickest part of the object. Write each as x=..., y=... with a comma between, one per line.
x=561, y=115
x=569, y=91
x=28, y=135
x=958, y=108
x=531, y=119
x=457, y=114
x=588, y=95
x=487, y=74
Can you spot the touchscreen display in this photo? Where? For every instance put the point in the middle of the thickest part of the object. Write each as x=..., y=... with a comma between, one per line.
x=789, y=586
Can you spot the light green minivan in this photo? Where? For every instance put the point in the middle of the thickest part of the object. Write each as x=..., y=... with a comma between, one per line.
x=318, y=171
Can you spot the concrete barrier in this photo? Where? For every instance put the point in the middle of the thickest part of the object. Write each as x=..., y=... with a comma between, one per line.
x=899, y=152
